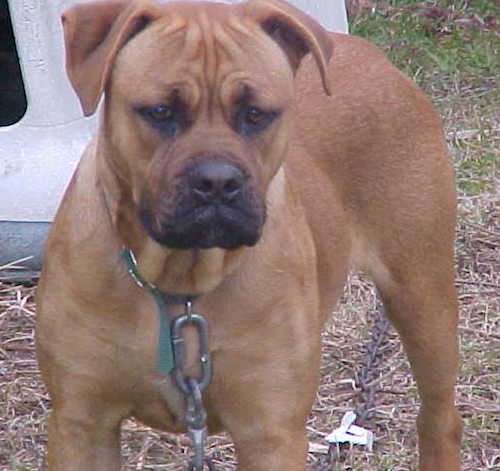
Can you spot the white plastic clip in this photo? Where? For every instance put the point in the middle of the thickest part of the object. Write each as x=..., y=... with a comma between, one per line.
x=347, y=432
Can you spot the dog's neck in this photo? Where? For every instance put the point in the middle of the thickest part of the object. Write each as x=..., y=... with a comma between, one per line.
x=185, y=271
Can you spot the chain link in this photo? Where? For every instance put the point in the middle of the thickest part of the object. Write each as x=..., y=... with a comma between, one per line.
x=192, y=388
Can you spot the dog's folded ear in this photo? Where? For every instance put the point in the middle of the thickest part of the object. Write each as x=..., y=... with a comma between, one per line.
x=93, y=34
x=296, y=33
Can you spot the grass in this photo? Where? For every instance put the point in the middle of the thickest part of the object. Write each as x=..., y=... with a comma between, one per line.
x=451, y=50
x=429, y=40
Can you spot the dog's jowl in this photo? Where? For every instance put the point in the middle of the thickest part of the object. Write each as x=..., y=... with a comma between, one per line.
x=248, y=159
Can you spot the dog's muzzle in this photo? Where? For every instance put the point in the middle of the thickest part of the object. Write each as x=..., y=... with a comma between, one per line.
x=215, y=205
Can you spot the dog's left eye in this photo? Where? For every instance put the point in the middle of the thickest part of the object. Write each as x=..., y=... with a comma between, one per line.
x=251, y=120
x=254, y=116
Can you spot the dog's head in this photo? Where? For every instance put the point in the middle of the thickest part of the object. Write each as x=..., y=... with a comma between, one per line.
x=198, y=107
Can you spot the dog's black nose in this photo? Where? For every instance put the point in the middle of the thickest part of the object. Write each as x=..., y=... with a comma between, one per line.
x=215, y=180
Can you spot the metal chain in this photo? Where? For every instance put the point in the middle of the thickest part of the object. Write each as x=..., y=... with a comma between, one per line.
x=192, y=388
x=367, y=383
x=367, y=377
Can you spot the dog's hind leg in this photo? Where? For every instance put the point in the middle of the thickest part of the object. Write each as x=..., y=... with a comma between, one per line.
x=420, y=300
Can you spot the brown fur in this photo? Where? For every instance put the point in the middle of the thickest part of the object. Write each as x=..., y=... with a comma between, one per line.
x=358, y=179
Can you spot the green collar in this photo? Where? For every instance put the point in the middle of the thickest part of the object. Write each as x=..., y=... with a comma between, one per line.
x=165, y=355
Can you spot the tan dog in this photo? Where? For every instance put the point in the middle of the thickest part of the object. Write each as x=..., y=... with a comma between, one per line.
x=223, y=164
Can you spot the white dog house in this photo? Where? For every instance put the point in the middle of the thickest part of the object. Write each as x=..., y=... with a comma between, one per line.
x=42, y=131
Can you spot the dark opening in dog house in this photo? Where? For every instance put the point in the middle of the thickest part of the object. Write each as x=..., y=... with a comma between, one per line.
x=12, y=95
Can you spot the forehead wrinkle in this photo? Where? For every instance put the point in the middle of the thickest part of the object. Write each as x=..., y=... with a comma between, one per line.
x=195, y=55
x=238, y=40
x=244, y=42
x=169, y=26
x=214, y=36
x=170, y=40
x=238, y=28
x=229, y=49
x=210, y=57
x=227, y=43
x=192, y=49
x=189, y=60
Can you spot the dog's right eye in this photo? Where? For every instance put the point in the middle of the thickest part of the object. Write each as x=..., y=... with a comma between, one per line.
x=160, y=113
x=166, y=119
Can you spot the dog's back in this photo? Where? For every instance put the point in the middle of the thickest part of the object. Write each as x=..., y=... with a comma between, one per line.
x=377, y=164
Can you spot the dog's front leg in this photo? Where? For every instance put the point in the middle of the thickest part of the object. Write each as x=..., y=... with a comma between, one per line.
x=280, y=449
x=83, y=438
x=264, y=400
